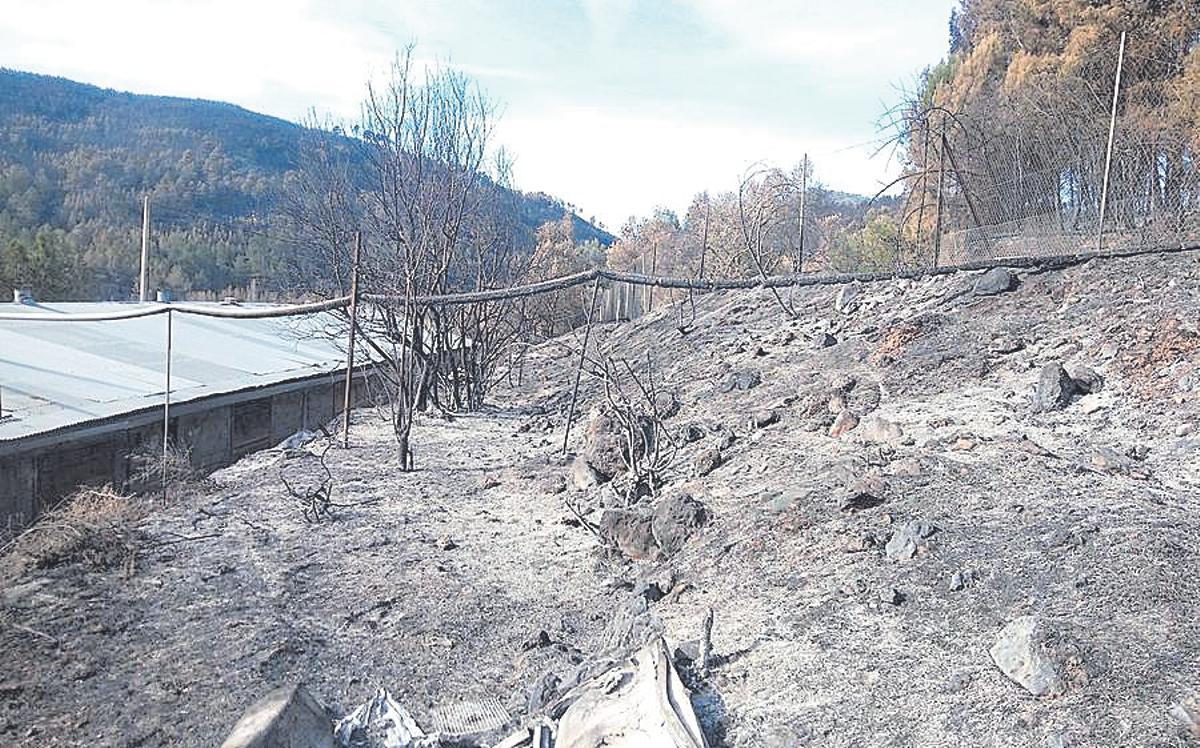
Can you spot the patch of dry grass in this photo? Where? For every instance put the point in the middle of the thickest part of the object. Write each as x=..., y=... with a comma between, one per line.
x=93, y=526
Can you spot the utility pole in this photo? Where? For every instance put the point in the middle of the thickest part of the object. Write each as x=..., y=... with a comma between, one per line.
x=145, y=275
x=350, y=347
x=1112, y=129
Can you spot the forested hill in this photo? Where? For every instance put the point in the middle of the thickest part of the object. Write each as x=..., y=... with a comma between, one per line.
x=75, y=160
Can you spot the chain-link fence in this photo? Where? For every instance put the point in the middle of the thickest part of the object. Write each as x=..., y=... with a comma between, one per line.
x=1103, y=160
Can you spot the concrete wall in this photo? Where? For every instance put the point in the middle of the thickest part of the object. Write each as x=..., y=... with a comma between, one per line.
x=216, y=431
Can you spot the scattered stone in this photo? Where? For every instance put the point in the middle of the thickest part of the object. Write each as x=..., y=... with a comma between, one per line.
x=891, y=596
x=488, y=481
x=666, y=403
x=1006, y=344
x=631, y=532
x=746, y=379
x=583, y=476
x=538, y=640
x=707, y=461
x=604, y=445
x=957, y=682
x=1087, y=380
x=907, y=539
x=1108, y=460
x=286, y=717
x=995, y=281
x=847, y=298
x=825, y=340
x=964, y=444
x=1184, y=429
x=1037, y=655
x=692, y=433
x=1055, y=388
x=907, y=467
x=844, y=423
x=764, y=418
x=1187, y=713
x=446, y=543
x=880, y=431
x=867, y=492
x=960, y=579
x=676, y=518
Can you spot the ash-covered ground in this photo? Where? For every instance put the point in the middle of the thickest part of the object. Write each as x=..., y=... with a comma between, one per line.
x=858, y=582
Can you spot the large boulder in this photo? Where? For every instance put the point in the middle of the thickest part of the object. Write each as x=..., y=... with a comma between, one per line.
x=285, y=718
x=1055, y=388
x=995, y=281
x=631, y=532
x=879, y=431
x=676, y=518
x=1041, y=656
x=604, y=445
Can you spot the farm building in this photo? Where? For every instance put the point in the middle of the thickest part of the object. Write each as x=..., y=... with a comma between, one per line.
x=79, y=399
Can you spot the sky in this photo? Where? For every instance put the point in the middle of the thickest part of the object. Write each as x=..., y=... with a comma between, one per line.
x=615, y=106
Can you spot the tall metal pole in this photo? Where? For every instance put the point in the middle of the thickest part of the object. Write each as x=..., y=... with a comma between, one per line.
x=144, y=278
x=166, y=444
x=937, y=229
x=350, y=345
x=1112, y=129
x=803, y=195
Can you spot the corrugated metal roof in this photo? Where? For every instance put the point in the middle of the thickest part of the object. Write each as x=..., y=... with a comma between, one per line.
x=56, y=374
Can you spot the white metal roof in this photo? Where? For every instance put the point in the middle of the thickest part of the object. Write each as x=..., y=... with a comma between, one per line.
x=57, y=374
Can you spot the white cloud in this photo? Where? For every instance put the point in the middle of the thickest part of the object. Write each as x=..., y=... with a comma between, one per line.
x=619, y=164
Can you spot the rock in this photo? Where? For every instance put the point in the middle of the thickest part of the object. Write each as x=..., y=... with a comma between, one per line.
x=666, y=404
x=746, y=379
x=1187, y=713
x=964, y=444
x=1109, y=460
x=1055, y=388
x=880, y=431
x=764, y=418
x=631, y=532
x=844, y=423
x=707, y=461
x=692, y=433
x=488, y=481
x=1027, y=652
x=865, y=493
x=284, y=718
x=824, y=340
x=995, y=281
x=1087, y=380
x=891, y=596
x=603, y=446
x=539, y=639
x=847, y=298
x=583, y=476
x=960, y=579
x=675, y=519
x=907, y=539
x=1005, y=344
x=446, y=543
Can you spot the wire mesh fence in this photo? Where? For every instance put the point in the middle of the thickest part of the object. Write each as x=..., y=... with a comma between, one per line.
x=1102, y=160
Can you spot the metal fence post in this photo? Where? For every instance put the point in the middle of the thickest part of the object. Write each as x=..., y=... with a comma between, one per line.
x=1112, y=129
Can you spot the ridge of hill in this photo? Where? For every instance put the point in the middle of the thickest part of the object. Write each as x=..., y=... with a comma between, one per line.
x=75, y=160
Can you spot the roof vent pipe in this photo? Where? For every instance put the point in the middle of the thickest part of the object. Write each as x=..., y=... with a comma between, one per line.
x=23, y=296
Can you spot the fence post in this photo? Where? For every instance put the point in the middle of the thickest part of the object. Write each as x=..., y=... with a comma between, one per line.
x=937, y=229
x=350, y=344
x=587, y=334
x=1112, y=129
x=166, y=443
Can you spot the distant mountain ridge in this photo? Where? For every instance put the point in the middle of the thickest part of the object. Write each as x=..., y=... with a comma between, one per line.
x=76, y=158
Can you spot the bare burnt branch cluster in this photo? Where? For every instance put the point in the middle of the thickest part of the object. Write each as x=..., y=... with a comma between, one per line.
x=419, y=181
x=633, y=400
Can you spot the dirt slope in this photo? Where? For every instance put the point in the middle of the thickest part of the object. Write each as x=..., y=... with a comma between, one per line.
x=826, y=632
